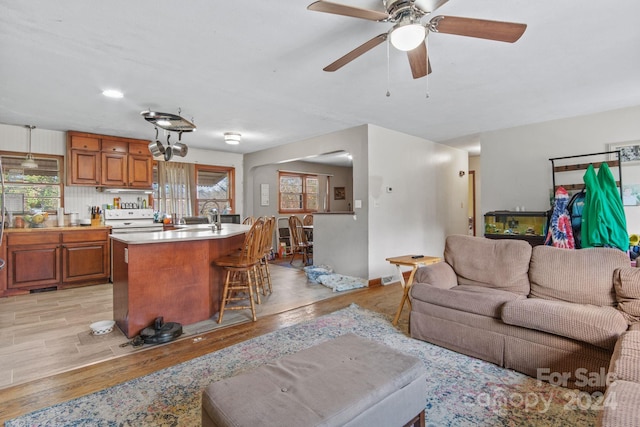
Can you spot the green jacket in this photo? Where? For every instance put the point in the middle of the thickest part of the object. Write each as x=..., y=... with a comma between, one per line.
x=603, y=220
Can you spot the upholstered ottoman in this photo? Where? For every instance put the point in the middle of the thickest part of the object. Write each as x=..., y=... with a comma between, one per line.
x=347, y=381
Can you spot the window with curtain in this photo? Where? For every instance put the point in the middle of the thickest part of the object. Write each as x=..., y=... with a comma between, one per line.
x=298, y=193
x=215, y=183
x=37, y=188
x=173, y=187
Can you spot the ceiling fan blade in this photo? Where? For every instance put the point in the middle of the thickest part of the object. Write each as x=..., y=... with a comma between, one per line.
x=363, y=48
x=341, y=9
x=429, y=5
x=492, y=30
x=419, y=61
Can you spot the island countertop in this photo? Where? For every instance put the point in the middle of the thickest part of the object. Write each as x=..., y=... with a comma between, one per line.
x=184, y=233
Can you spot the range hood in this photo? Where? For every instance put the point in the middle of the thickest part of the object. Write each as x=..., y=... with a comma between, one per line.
x=124, y=190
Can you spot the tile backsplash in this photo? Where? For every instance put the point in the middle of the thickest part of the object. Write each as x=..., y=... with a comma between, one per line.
x=80, y=199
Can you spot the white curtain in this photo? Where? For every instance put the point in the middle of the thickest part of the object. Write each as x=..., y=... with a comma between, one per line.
x=176, y=187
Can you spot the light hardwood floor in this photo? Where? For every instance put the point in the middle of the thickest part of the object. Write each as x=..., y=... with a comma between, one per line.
x=99, y=369
x=47, y=333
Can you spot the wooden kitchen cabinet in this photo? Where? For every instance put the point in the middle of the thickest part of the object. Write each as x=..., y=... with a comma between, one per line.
x=33, y=260
x=140, y=171
x=3, y=271
x=85, y=256
x=83, y=159
x=108, y=161
x=114, y=169
x=51, y=258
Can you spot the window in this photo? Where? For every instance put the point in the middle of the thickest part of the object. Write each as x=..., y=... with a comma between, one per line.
x=175, y=185
x=38, y=188
x=215, y=182
x=298, y=192
x=172, y=184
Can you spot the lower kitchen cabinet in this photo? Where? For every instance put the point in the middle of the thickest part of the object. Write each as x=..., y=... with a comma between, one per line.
x=82, y=262
x=38, y=259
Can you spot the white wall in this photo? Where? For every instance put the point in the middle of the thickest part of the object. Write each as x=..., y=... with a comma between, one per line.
x=331, y=231
x=516, y=166
x=268, y=174
x=428, y=200
x=78, y=198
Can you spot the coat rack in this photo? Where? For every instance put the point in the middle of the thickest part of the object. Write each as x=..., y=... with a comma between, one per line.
x=583, y=166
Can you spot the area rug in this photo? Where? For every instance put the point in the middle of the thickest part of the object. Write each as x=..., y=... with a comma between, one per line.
x=462, y=391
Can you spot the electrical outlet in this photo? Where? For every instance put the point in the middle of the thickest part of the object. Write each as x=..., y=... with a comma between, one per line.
x=386, y=280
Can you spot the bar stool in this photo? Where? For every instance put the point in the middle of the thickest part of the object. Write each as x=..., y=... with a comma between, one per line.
x=241, y=273
x=267, y=249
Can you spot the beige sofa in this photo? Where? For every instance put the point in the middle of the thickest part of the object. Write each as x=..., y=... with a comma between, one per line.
x=553, y=314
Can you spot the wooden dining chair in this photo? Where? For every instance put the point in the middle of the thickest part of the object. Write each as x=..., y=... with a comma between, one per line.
x=248, y=220
x=307, y=219
x=241, y=272
x=264, y=271
x=299, y=243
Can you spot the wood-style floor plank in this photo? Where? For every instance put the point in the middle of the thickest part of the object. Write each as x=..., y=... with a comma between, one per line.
x=37, y=394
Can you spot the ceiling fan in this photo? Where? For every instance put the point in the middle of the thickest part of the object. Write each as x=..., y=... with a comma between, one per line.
x=409, y=33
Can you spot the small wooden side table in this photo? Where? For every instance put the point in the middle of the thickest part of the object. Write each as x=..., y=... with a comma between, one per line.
x=414, y=263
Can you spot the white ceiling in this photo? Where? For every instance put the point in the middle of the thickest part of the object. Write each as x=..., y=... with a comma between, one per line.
x=255, y=67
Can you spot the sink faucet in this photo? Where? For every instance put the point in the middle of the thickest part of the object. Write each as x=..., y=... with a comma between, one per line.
x=218, y=223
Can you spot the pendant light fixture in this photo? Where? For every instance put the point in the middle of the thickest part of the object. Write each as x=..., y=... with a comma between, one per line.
x=29, y=162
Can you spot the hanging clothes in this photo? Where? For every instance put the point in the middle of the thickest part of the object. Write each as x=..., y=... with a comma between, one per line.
x=616, y=219
x=560, y=233
x=604, y=223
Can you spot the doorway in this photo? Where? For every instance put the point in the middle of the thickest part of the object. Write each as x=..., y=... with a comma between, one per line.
x=472, y=204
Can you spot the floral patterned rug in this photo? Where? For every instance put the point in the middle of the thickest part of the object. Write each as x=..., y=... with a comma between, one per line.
x=462, y=391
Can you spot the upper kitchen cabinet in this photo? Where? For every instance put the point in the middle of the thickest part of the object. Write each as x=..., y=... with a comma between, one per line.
x=108, y=161
x=140, y=165
x=83, y=159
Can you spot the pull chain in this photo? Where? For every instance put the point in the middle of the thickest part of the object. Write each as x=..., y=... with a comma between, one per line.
x=388, y=92
x=427, y=76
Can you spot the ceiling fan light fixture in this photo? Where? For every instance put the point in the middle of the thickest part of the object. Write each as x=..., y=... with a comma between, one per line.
x=232, y=138
x=408, y=36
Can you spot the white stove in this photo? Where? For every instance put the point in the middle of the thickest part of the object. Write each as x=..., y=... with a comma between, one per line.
x=131, y=221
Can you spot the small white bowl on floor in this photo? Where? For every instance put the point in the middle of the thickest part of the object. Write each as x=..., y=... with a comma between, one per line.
x=102, y=327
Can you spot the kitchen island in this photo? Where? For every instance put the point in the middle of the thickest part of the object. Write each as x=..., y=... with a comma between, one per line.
x=170, y=274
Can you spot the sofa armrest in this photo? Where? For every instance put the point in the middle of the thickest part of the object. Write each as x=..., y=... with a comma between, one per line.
x=621, y=405
x=440, y=275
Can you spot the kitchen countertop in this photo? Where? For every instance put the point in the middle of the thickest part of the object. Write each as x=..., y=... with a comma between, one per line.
x=183, y=233
x=50, y=229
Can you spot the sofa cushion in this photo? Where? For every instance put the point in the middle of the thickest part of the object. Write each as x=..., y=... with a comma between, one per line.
x=468, y=298
x=583, y=276
x=440, y=275
x=625, y=361
x=499, y=264
x=626, y=282
x=600, y=326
